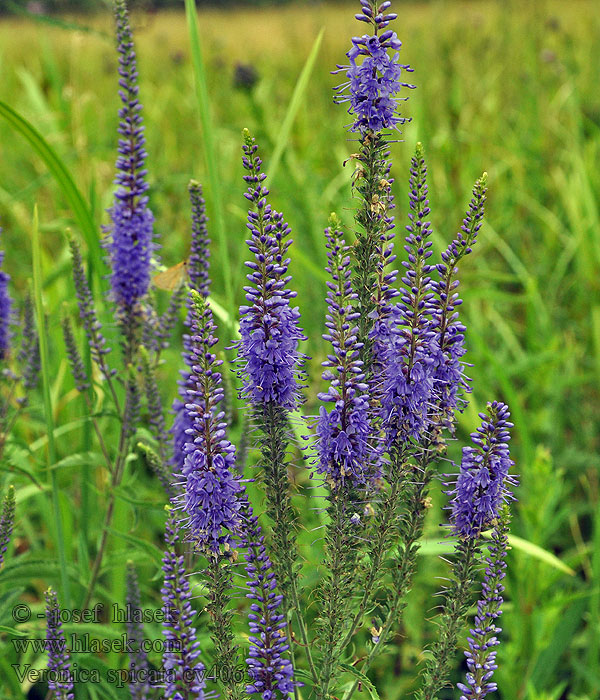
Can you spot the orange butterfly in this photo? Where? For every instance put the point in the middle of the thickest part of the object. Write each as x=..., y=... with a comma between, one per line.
x=172, y=278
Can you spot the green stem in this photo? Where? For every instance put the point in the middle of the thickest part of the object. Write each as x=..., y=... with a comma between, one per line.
x=116, y=476
x=412, y=530
x=273, y=423
x=384, y=528
x=342, y=570
x=45, y=367
x=456, y=607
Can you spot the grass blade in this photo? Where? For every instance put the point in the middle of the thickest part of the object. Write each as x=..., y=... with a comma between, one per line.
x=64, y=179
x=46, y=376
x=535, y=551
x=294, y=106
x=209, y=149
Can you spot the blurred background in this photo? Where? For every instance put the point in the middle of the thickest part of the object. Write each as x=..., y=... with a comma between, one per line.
x=506, y=87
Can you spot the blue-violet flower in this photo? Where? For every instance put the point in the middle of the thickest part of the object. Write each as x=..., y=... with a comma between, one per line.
x=130, y=234
x=374, y=83
x=343, y=431
x=271, y=673
x=184, y=672
x=60, y=678
x=270, y=334
x=210, y=481
x=5, y=311
x=482, y=483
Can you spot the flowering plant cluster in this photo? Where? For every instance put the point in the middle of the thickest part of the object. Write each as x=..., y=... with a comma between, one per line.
x=394, y=381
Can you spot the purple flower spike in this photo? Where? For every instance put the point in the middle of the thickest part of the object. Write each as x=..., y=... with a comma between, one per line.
x=373, y=83
x=270, y=334
x=7, y=521
x=198, y=267
x=184, y=673
x=344, y=430
x=449, y=377
x=482, y=484
x=481, y=656
x=5, y=311
x=210, y=482
x=412, y=350
x=200, y=254
x=130, y=234
x=271, y=674
x=60, y=678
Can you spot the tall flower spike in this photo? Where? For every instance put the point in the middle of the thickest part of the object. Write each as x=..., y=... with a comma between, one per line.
x=449, y=375
x=198, y=270
x=138, y=659
x=374, y=75
x=7, y=521
x=343, y=431
x=184, y=672
x=60, y=678
x=198, y=263
x=77, y=367
x=271, y=673
x=153, y=400
x=269, y=330
x=481, y=656
x=29, y=352
x=130, y=242
x=5, y=311
x=382, y=300
x=87, y=312
x=478, y=502
x=483, y=483
x=412, y=350
x=211, y=483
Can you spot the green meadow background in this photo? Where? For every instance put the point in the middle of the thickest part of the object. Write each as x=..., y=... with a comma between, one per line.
x=510, y=88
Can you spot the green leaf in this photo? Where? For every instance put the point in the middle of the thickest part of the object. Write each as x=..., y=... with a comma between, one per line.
x=64, y=179
x=293, y=107
x=80, y=459
x=366, y=682
x=12, y=630
x=115, y=690
x=535, y=551
x=24, y=570
x=153, y=552
x=548, y=660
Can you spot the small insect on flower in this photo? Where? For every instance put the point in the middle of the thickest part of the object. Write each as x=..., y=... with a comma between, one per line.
x=173, y=277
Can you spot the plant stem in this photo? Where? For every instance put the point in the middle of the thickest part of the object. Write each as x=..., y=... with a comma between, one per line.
x=412, y=530
x=52, y=454
x=383, y=536
x=456, y=607
x=273, y=423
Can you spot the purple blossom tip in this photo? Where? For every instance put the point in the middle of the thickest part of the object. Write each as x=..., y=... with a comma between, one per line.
x=5, y=311
x=60, y=678
x=198, y=261
x=210, y=483
x=7, y=521
x=270, y=362
x=484, y=637
x=270, y=671
x=184, y=672
x=130, y=234
x=343, y=431
x=482, y=485
x=374, y=75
